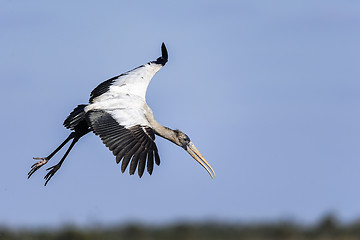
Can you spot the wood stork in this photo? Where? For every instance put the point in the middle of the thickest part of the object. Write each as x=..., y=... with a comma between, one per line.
x=118, y=113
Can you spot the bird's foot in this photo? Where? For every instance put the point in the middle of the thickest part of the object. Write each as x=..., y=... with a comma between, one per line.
x=51, y=173
x=37, y=165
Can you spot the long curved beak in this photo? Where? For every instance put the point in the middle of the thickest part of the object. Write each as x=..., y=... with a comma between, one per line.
x=192, y=150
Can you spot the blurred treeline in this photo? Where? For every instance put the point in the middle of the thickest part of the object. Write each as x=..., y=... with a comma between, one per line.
x=327, y=229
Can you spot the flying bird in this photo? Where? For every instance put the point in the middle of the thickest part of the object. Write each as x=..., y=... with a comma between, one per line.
x=117, y=112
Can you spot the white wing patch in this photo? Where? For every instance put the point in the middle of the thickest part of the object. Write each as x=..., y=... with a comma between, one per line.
x=125, y=97
x=134, y=82
x=128, y=110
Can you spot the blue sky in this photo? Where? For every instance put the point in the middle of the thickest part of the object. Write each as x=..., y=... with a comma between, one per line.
x=267, y=91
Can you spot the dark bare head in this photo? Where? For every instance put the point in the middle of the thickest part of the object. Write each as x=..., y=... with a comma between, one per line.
x=182, y=140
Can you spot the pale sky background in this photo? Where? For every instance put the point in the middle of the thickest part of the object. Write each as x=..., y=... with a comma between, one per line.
x=267, y=90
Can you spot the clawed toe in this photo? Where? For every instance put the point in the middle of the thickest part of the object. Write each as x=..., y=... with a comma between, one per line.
x=51, y=173
x=40, y=158
x=37, y=165
x=41, y=163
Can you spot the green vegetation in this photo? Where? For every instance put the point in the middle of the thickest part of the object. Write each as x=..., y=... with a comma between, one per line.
x=326, y=229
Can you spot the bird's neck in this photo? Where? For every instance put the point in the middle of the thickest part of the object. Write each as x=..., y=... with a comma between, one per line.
x=161, y=130
x=166, y=133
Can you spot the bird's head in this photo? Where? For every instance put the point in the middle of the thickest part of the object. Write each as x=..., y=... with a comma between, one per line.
x=184, y=141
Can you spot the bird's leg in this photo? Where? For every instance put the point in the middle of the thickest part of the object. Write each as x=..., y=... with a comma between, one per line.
x=44, y=160
x=56, y=167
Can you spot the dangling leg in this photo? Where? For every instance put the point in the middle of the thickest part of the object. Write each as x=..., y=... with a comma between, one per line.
x=44, y=160
x=56, y=167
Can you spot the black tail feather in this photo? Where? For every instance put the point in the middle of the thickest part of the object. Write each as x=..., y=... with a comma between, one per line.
x=75, y=117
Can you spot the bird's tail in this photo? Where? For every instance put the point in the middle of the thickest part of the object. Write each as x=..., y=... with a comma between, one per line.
x=75, y=117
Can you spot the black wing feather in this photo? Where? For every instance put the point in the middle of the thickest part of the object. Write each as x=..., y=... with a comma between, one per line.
x=157, y=158
x=128, y=156
x=134, y=162
x=126, y=149
x=142, y=161
x=103, y=87
x=135, y=144
x=150, y=162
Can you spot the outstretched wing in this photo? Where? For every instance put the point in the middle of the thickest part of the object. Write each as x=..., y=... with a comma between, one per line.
x=130, y=144
x=133, y=82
